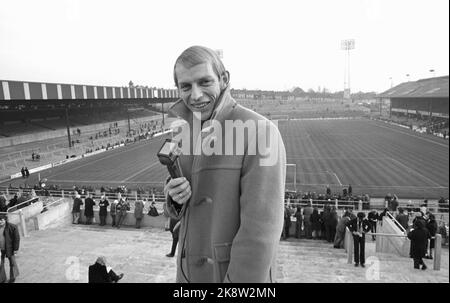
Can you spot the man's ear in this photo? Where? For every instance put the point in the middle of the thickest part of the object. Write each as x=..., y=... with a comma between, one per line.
x=225, y=79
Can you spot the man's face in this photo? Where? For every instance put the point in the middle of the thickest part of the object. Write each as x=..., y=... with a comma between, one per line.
x=199, y=87
x=2, y=222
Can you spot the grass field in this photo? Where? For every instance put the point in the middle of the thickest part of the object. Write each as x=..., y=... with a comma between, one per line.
x=373, y=157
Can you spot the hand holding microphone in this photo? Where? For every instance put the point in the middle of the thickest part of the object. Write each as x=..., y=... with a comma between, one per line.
x=179, y=190
x=178, y=187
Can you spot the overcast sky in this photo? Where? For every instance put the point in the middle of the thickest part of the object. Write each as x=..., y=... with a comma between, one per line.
x=271, y=45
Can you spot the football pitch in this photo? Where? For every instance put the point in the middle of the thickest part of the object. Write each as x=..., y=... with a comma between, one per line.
x=374, y=157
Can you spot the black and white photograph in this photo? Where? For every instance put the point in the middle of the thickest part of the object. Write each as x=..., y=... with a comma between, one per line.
x=263, y=142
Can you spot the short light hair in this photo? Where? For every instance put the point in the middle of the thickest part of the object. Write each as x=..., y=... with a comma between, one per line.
x=195, y=55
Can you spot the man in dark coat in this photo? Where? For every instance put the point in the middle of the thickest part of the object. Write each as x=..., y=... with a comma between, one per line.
x=432, y=229
x=123, y=206
x=89, y=209
x=403, y=219
x=307, y=212
x=102, y=213
x=9, y=245
x=287, y=222
x=99, y=273
x=359, y=227
x=12, y=201
x=419, y=240
x=373, y=219
x=299, y=222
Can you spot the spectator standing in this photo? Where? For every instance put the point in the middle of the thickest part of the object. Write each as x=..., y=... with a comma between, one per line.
x=103, y=211
x=307, y=212
x=340, y=231
x=373, y=219
x=287, y=221
x=328, y=192
x=359, y=227
x=138, y=212
x=333, y=222
x=3, y=206
x=123, y=206
x=315, y=224
x=394, y=203
x=403, y=219
x=299, y=222
x=27, y=172
x=76, y=209
x=9, y=245
x=350, y=190
x=89, y=209
x=326, y=218
x=432, y=229
x=419, y=236
x=14, y=200
x=113, y=212
x=23, y=172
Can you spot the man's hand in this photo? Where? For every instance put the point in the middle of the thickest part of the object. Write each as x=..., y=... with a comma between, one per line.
x=179, y=189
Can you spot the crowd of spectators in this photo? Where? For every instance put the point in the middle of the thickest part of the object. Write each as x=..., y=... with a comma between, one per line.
x=297, y=197
x=118, y=208
x=437, y=126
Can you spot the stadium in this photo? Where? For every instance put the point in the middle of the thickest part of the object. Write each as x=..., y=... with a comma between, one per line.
x=83, y=138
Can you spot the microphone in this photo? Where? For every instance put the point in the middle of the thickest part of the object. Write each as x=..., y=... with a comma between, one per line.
x=168, y=155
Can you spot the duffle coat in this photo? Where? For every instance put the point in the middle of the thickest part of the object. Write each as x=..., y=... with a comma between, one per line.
x=231, y=226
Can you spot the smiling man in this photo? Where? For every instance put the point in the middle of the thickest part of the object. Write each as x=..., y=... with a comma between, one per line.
x=232, y=217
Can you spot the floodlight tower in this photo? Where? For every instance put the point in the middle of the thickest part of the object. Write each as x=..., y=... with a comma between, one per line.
x=347, y=45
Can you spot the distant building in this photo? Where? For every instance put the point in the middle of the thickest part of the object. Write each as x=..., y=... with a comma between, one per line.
x=423, y=98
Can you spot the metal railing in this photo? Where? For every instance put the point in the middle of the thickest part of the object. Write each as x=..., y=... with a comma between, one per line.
x=436, y=252
x=24, y=203
x=396, y=222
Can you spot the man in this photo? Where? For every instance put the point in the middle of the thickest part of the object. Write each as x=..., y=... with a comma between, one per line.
x=232, y=214
x=76, y=208
x=419, y=236
x=89, y=209
x=373, y=220
x=103, y=211
x=9, y=245
x=287, y=222
x=99, y=273
x=123, y=206
x=403, y=219
x=113, y=211
x=359, y=227
x=138, y=212
x=340, y=231
x=307, y=212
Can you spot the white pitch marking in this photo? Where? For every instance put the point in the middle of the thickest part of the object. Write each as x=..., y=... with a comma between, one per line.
x=103, y=158
x=140, y=171
x=412, y=170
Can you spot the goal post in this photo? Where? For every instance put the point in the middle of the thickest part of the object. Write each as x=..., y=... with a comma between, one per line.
x=291, y=176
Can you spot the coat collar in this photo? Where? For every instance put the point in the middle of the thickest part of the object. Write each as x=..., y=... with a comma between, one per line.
x=223, y=107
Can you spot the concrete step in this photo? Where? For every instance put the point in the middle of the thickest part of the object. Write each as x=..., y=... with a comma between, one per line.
x=63, y=254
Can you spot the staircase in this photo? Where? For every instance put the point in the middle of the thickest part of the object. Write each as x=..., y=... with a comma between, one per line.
x=316, y=261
